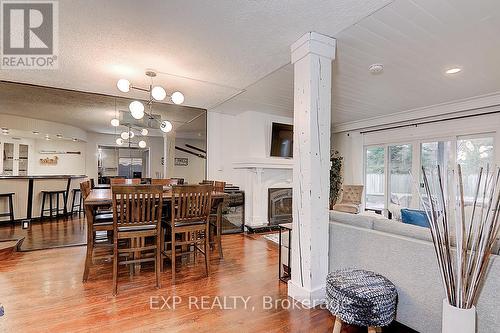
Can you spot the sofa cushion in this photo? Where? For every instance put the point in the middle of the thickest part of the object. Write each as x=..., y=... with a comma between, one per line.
x=356, y=220
x=402, y=229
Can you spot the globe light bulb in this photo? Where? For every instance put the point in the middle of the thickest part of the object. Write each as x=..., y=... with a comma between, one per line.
x=124, y=135
x=177, y=97
x=142, y=144
x=119, y=141
x=136, y=109
x=158, y=93
x=131, y=134
x=115, y=122
x=123, y=85
x=166, y=126
x=144, y=132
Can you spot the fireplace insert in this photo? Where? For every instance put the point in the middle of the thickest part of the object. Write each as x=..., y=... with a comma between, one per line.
x=279, y=205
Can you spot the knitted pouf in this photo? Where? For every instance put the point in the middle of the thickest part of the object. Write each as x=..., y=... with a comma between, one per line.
x=360, y=297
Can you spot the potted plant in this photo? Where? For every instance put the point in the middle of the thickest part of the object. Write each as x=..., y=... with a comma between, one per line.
x=335, y=176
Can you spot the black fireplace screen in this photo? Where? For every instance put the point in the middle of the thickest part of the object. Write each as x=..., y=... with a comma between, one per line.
x=279, y=205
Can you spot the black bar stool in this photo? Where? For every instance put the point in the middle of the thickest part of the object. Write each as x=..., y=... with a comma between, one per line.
x=10, y=214
x=79, y=204
x=52, y=195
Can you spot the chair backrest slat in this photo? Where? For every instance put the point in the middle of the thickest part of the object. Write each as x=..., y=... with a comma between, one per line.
x=137, y=205
x=191, y=203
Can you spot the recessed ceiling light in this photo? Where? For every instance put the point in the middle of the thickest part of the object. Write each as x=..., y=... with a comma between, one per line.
x=59, y=136
x=453, y=70
x=376, y=68
x=75, y=139
x=36, y=132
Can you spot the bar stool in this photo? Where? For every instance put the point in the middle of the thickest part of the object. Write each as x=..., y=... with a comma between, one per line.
x=10, y=214
x=52, y=195
x=79, y=205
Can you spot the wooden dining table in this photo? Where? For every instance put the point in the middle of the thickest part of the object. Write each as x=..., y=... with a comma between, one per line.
x=100, y=198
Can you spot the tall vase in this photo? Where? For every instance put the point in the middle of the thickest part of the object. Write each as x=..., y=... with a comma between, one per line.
x=458, y=320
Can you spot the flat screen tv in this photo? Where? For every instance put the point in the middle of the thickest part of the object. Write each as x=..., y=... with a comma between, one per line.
x=282, y=140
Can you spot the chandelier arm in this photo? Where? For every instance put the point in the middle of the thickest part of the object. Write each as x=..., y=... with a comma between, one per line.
x=141, y=89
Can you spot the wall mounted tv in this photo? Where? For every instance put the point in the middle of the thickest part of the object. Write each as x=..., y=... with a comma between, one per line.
x=282, y=140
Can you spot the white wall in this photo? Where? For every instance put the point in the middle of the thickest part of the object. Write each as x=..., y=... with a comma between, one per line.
x=238, y=138
x=67, y=164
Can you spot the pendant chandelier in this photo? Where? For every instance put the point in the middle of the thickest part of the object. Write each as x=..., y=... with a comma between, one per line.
x=156, y=94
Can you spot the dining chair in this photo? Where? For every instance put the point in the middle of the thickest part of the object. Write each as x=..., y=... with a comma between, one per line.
x=207, y=182
x=190, y=213
x=123, y=181
x=101, y=222
x=136, y=215
x=164, y=181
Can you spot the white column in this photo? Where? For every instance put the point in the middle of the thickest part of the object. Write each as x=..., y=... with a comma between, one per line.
x=312, y=57
x=168, y=154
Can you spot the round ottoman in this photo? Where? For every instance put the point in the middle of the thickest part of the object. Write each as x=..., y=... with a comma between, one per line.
x=360, y=297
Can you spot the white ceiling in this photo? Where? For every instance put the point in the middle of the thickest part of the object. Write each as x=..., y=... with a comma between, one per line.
x=416, y=40
x=224, y=45
x=232, y=56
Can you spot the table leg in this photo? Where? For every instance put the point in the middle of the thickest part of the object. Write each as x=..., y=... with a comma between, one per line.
x=219, y=229
x=90, y=241
x=279, y=254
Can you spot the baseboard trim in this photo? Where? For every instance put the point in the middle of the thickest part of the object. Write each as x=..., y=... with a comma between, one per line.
x=308, y=298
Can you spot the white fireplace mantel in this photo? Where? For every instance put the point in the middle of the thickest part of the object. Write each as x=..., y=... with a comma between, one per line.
x=265, y=163
x=259, y=175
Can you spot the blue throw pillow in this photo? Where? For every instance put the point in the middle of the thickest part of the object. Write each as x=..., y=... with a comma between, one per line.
x=415, y=217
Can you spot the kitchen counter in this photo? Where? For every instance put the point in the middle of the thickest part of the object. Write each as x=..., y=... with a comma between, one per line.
x=27, y=192
x=43, y=177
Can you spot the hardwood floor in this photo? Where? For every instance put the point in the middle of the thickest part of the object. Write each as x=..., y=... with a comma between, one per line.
x=48, y=233
x=42, y=291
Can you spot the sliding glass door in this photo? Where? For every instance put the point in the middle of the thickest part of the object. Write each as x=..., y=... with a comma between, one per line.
x=400, y=182
x=400, y=161
x=375, y=178
x=474, y=153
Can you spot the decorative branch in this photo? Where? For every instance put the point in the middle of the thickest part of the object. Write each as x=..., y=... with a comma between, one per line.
x=463, y=277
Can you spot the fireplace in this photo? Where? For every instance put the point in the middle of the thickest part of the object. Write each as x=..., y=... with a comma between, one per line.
x=279, y=205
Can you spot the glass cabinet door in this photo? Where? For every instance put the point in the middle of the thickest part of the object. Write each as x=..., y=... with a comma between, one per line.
x=23, y=160
x=8, y=159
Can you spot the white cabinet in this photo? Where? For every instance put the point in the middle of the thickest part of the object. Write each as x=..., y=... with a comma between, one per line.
x=15, y=159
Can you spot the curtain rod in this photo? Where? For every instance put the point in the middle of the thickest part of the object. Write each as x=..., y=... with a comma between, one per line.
x=430, y=121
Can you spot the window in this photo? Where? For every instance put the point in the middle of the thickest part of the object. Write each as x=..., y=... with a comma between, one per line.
x=433, y=154
x=472, y=154
x=400, y=182
x=397, y=191
x=375, y=177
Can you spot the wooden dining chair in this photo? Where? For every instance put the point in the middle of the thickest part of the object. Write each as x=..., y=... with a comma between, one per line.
x=163, y=181
x=216, y=221
x=190, y=213
x=219, y=186
x=207, y=182
x=123, y=181
x=101, y=222
x=136, y=215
